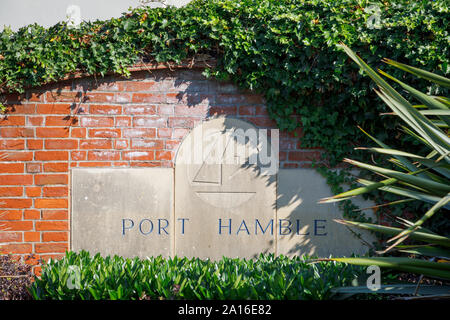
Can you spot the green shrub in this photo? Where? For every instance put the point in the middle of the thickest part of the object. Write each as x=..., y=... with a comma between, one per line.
x=81, y=276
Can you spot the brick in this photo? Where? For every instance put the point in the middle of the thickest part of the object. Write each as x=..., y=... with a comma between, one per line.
x=222, y=110
x=33, y=167
x=247, y=110
x=166, y=110
x=11, y=167
x=16, y=225
x=35, y=120
x=97, y=121
x=147, y=144
x=105, y=133
x=71, y=96
x=139, y=133
x=11, y=191
x=78, y=132
x=16, y=132
x=53, y=108
x=11, y=215
x=105, y=109
x=45, y=132
x=50, y=203
x=9, y=144
x=13, y=98
x=18, y=179
x=179, y=133
x=16, y=248
x=56, y=167
x=120, y=164
x=99, y=97
x=263, y=122
x=12, y=120
x=32, y=236
x=61, y=121
x=120, y=144
x=137, y=86
x=61, y=144
x=31, y=214
x=52, y=226
x=145, y=164
x=37, y=271
x=55, y=214
x=54, y=247
x=190, y=99
x=152, y=122
x=55, y=191
x=288, y=144
x=140, y=110
x=17, y=156
x=33, y=191
x=122, y=97
x=261, y=111
x=27, y=108
x=51, y=155
x=35, y=96
x=182, y=110
x=33, y=144
x=107, y=86
x=44, y=179
x=95, y=144
x=148, y=98
x=138, y=155
x=32, y=259
x=55, y=236
x=164, y=155
x=6, y=236
x=181, y=122
x=164, y=132
x=95, y=164
x=104, y=155
x=47, y=257
x=78, y=155
x=224, y=98
x=123, y=121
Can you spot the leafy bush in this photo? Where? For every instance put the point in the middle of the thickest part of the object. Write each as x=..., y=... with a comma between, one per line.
x=15, y=278
x=81, y=276
x=285, y=49
x=422, y=177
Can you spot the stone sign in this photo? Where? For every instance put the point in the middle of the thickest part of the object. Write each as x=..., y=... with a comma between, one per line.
x=127, y=212
x=225, y=197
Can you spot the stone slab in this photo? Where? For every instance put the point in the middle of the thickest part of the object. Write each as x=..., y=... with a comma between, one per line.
x=128, y=212
x=222, y=209
x=308, y=227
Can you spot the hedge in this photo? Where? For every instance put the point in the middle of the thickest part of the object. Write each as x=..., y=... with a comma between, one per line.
x=83, y=276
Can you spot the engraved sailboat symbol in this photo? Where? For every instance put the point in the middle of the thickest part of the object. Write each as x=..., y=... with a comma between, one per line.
x=221, y=178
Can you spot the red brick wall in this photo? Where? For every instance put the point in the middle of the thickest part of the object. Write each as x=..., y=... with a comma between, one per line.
x=108, y=122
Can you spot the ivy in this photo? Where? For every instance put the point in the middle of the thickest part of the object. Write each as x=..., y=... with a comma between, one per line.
x=285, y=49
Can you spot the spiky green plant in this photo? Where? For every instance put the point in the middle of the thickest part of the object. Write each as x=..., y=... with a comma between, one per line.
x=416, y=177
